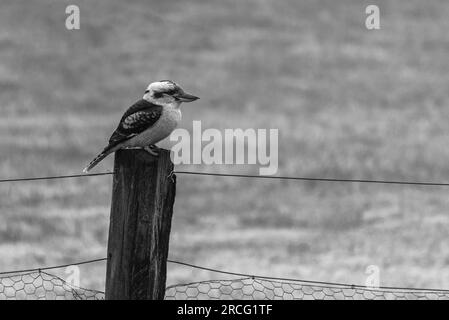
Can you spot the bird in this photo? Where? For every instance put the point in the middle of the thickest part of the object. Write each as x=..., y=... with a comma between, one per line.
x=148, y=121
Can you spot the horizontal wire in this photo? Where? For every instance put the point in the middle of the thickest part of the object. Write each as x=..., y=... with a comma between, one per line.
x=396, y=182
x=441, y=184
x=54, y=267
x=311, y=282
x=57, y=177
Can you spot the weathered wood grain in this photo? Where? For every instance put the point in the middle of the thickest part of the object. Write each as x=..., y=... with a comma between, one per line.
x=143, y=195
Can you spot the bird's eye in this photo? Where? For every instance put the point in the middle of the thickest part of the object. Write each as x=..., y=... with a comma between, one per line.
x=171, y=92
x=157, y=95
x=146, y=91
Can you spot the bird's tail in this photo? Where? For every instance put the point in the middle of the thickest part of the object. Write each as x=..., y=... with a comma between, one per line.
x=96, y=160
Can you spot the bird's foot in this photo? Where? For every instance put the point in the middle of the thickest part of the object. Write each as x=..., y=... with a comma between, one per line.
x=152, y=149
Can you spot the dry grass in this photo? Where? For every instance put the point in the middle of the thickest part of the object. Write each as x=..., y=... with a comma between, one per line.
x=349, y=103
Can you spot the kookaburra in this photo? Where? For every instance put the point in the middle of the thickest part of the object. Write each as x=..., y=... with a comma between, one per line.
x=148, y=121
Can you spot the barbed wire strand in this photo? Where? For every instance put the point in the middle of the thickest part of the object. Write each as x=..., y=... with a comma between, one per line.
x=396, y=182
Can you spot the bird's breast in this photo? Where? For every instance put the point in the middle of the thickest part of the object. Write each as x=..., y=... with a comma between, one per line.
x=163, y=127
x=168, y=121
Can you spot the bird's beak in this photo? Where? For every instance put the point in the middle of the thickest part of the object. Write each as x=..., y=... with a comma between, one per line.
x=185, y=97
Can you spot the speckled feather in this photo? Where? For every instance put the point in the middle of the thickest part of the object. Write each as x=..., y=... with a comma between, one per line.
x=135, y=122
x=138, y=118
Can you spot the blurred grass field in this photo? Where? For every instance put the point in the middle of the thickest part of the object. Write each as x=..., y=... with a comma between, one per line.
x=349, y=103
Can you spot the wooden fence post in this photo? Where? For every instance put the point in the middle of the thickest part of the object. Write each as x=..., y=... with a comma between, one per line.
x=143, y=195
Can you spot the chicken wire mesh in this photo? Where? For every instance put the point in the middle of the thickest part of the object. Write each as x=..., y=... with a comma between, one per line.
x=41, y=285
x=253, y=288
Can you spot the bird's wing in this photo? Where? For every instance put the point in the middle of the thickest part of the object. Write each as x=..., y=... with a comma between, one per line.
x=139, y=117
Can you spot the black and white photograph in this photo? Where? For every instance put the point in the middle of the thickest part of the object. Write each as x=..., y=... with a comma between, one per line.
x=224, y=150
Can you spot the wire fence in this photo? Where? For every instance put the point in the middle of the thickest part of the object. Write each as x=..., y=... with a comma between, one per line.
x=40, y=284
x=313, y=179
x=254, y=288
x=36, y=284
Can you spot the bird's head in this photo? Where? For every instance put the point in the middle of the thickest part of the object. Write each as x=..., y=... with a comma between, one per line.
x=166, y=92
